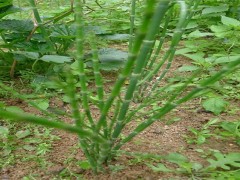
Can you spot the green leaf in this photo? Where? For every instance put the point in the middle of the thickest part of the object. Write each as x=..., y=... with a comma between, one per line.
x=116, y=168
x=62, y=31
x=98, y=30
x=184, y=51
x=201, y=139
x=4, y=11
x=197, y=57
x=16, y=25
x=197, y=166
x=226, y=59
x=56, y=58
x=84, y=165
x=29, y=147
x=225, y=161
x=14, y=109
x=192, y=24
x=219, y=28
x=198, y=34
x=187, y=68
x=4, y=131
x=112, y=55
x=111, y=66
x=159, y=168
x=29, y=55
x=215, y=105
x=23, y=133
x=110, y=59
x=232, y=127
x=117, y=37
x=215, y=9
x=4, y=3
x=42, y=103
x=176, y=158
x=230, y=21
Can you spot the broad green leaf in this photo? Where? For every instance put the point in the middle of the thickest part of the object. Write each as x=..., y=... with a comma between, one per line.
x=39, y=79
x=29, y=147
x=117, y=37
x=188, y=68
x=111, y=66
x=197, y=57
x=66, y=99
x=14, y=109
x=159, y=168
x=16, y=25
x=215, y=105
x=98, y=30
x=23, y=133
x=4, y=11
x=30, y=55
x=198, y=34
x=110, y=59
x=112, y=55
x=56, y=58
x=215, y=9
x=230, y=21
x=226, y=59
x=176, y=158
x=62, y=31
x=84, y=165
x=232, y=127
x=197, y=166
x=225, y=161
x=4, y=131
x=184, y=51
x=4, y=3
x=7, y=151
x=42, y=104
x=201, y=139
x=220, y=28
x=192, y=24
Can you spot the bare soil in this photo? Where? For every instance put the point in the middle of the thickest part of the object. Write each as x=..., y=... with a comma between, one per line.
x=159, y=139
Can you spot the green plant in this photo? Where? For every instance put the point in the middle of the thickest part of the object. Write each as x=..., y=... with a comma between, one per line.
x=215, y=105
x=100, y=138
x=26, y=41
x=231, y=129
x=201, y=135
x=29, y=139
x=222, y=166
x=222, y=129
x=214, y=23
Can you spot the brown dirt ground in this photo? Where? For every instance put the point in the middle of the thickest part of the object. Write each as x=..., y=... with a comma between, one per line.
x=159, y=139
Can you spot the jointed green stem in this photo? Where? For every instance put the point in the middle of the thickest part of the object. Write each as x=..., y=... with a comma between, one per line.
x=97, y=75
x=128, y=65
x=132, y=19
x=140, y=62
x=79, y=57
x=171, y=105
x=170, y=53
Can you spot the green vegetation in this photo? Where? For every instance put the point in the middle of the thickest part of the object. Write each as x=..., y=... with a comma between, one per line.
x=63, y=53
